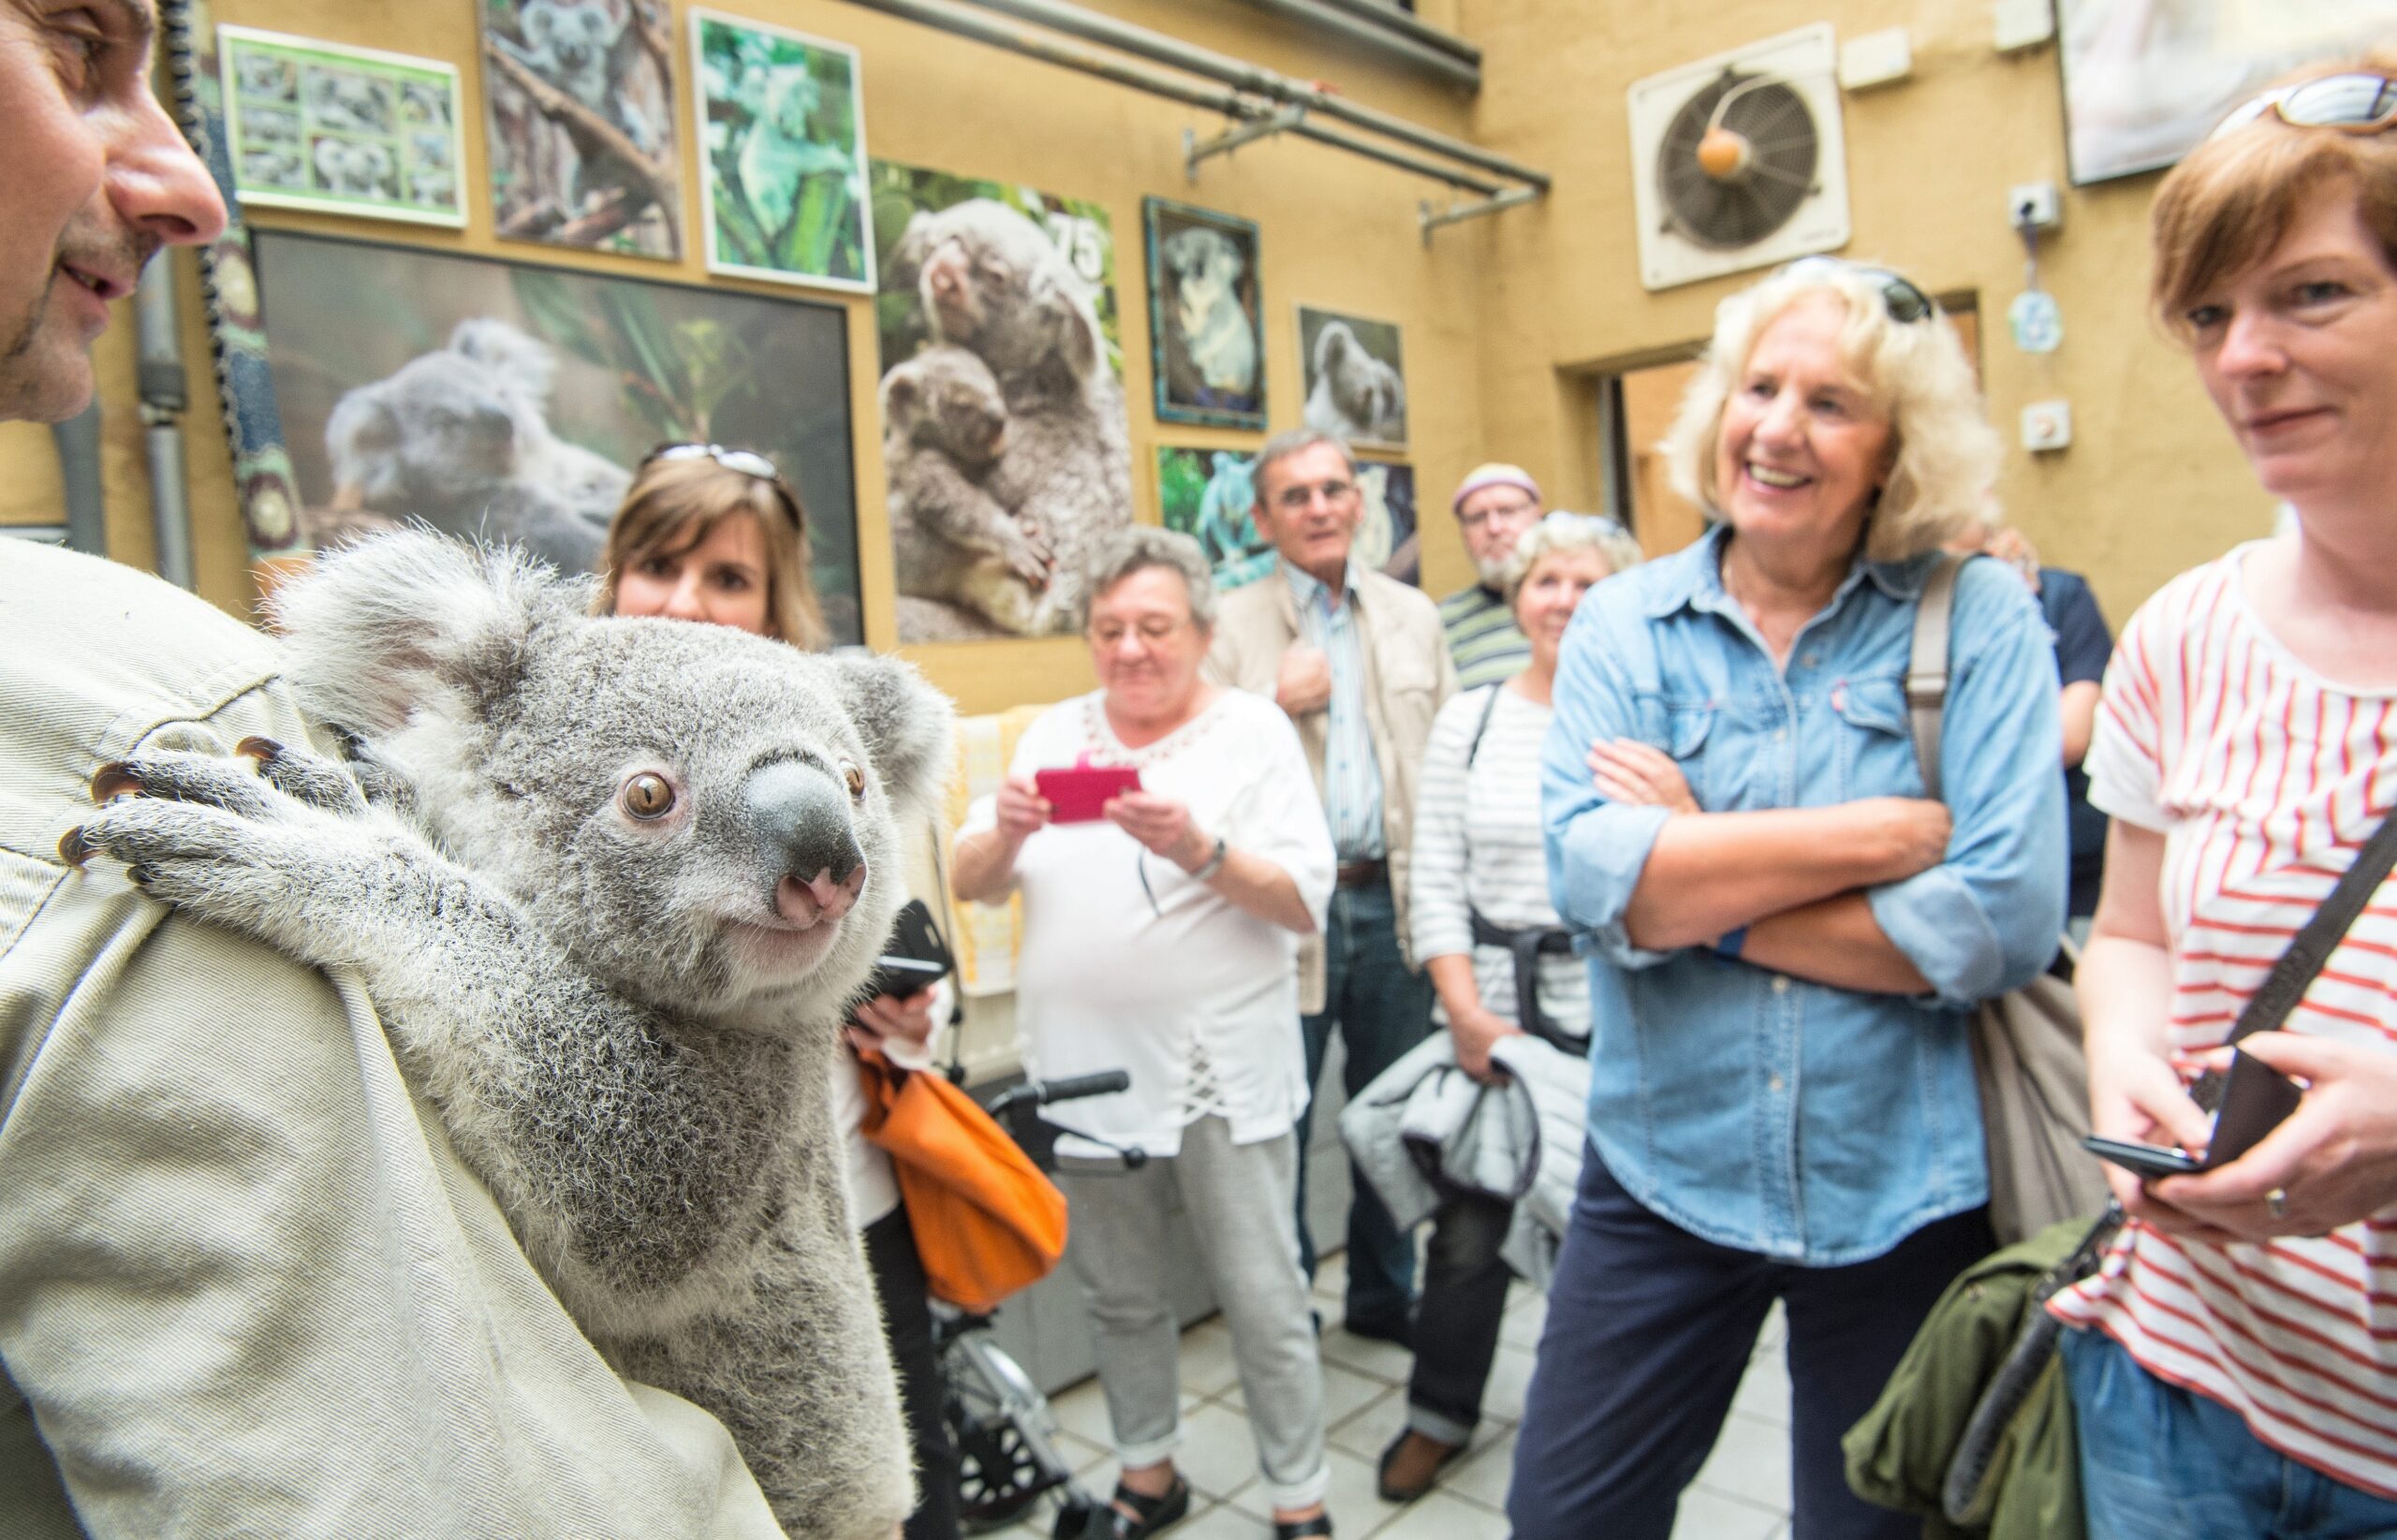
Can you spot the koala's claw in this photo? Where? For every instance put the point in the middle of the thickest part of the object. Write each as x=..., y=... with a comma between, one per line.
x=266, y=751
x=74, y=849
x=115, y=779
x=318, y=782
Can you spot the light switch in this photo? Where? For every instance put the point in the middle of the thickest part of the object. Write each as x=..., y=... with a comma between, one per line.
x=2046, y=426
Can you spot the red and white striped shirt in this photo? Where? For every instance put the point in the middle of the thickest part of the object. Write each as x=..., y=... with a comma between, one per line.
x=2264, y=779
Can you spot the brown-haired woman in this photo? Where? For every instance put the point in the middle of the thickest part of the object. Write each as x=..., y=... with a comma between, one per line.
x=2234, y=1376
x=716, y=534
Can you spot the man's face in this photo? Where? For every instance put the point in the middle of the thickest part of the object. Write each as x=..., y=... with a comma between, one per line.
x=1307, y=504
x=94, y=178
x=1493, y=519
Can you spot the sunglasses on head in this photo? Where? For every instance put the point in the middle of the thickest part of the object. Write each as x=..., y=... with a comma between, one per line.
x=744, y=461
x=2352, y=104
x=1905, y=303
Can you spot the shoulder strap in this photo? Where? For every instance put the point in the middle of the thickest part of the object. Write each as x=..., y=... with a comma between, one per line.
x=1927, y=666
x=1482, y=725
x=2311, y=948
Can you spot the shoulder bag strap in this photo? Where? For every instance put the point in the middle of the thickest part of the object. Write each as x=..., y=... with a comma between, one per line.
x=1927, y=666
x=1473, y=750
x=2313, y=944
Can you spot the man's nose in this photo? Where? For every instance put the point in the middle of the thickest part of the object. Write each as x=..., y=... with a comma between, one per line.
x=158, y=184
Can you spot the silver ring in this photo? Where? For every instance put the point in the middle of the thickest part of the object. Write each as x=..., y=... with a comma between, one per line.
x=2276, y=1203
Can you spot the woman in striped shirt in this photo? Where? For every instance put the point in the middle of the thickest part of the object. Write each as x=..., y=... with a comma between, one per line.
x=1479, y=855
x=2238, y=1373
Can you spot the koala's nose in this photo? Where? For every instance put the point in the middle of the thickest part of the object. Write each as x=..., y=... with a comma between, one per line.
x=801, y=816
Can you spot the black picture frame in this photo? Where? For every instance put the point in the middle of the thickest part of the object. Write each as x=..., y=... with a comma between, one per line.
x=1195, y=346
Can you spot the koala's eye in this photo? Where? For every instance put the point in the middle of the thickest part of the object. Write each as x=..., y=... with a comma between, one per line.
x=647, y=795
x=854, y=777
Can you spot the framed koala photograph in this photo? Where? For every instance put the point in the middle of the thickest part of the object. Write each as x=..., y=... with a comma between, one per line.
x=1356, y=379
x=1208, y=494
x=1206, y=316
x=340, y=130
x=579, y=109
x=1006, y=451
x=501, y=401
x=781, y=126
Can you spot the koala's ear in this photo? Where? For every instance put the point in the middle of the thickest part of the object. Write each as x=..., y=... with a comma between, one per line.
x=907, y=726
x=906, y=263
x=411, y=621
x=525, y=365
x=1329, y=344
x=1073, y=327
x=901, y=391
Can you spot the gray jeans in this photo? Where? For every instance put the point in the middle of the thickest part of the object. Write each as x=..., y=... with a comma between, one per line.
x=1238, y=1197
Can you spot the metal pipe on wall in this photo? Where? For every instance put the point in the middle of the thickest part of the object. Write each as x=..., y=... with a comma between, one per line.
x=164, y=396
x=997, y=33
x=77, y=439
x=1377, y=27
x=1254, y=79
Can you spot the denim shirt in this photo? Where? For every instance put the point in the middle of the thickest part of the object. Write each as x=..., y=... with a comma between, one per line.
x=1760, y=1111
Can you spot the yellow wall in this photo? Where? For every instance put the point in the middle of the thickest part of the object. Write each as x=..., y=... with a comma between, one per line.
x=1504, y=318
x=2152, y=483
x=1336, y=231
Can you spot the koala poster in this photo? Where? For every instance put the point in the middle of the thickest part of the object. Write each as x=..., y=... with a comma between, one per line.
x=580, y=109
x=1004, y=445
x=342, y=130
x=1206, y=316
x=1207, y=494
x=511, y=401
x=782, y=130
x=1356, y=379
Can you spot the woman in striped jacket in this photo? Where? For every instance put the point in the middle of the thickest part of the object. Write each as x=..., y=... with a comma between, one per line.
x=2237, y=1373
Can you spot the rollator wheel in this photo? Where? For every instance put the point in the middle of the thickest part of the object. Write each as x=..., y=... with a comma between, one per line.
x=997, y=1477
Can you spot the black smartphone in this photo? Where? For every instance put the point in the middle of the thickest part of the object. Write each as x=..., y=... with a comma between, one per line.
x=902, y=976
x=2256, y=1099
x=915, y=958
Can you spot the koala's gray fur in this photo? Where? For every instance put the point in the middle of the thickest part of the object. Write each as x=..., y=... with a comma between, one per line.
x=460, y=438
x=996, y=285
x=1217, y=341
x=1355, y=395
x=627, y=1028
x=944, y=428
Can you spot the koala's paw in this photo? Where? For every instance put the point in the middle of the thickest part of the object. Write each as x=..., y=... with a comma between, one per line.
x=319, y=783
x=1029, y=554
x=233, y=849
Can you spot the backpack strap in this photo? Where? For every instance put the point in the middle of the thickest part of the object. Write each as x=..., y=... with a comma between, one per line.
x=1927, y=666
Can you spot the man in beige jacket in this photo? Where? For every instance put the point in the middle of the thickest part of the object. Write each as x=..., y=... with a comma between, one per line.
x=1361, y=663
x=246, y=1287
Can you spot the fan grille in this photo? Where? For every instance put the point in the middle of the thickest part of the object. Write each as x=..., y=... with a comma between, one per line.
x=1748, y=206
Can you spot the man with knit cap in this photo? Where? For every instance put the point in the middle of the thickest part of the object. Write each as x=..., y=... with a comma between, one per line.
x=1494, y=504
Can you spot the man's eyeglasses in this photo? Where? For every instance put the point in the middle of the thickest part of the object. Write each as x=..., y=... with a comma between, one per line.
x=1299, y=496
x=1905, y=303
x=744, y=461
x=2352, y=104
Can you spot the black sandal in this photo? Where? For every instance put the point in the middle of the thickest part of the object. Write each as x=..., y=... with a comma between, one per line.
x=1302, y=1528
x=1148, y=1515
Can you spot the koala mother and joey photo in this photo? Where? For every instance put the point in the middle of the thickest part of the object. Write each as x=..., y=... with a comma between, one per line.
x=613, y=919
x=993, y=284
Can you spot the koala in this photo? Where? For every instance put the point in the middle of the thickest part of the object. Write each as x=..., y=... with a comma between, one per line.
x=460, y=438
x=422, y=102
x=568, y=43
x=1217, y=342
x=265, y=75
x=993, y=284
x=354, y=170
x=944, y=427
x=1355, y=395
x=650, y=865
x=340, y=100
x=274, y=165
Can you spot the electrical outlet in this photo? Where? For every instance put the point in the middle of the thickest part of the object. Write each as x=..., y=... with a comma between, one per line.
x=2034, y=203
x=2046, y=426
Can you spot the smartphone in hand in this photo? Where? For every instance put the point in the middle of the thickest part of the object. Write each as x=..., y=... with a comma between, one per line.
x=1080, y=794
x=2256, y=1099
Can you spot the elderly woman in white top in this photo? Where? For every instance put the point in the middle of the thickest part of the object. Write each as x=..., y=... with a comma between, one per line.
x=1163, y=938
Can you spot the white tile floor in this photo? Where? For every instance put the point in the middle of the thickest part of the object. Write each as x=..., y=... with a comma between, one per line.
x=1742, y=1494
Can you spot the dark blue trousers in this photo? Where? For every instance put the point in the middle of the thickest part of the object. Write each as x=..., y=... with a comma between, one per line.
x=1649, y=1330
x=1382, y=1010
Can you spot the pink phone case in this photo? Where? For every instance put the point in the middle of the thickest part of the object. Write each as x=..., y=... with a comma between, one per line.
x=1077, y=795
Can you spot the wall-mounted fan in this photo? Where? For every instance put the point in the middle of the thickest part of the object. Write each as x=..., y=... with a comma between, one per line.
x=1738, y=161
